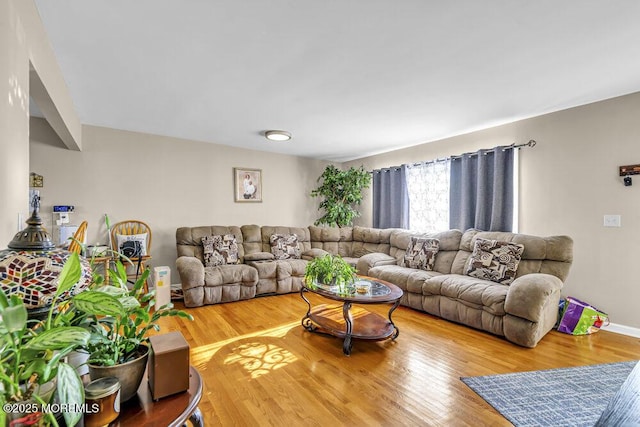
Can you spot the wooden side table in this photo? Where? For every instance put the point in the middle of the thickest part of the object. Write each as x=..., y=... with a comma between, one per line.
x=172, y=410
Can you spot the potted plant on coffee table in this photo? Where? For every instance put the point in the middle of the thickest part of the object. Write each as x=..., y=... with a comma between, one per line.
x=120, y=319
x=329, y=270
x=32, y=358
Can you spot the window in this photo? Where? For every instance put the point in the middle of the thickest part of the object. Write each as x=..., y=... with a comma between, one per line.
x=428, y=188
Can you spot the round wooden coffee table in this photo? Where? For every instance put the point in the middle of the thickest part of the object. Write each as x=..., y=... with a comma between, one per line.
x=172, y=410
x=344, y=322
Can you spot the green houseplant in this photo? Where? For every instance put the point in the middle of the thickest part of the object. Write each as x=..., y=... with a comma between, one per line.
x=341, y=191
x=331, y=270
x=120, y=319
x=32, y=353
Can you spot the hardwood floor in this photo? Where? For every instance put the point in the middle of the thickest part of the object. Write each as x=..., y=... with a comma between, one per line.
x=261, y=368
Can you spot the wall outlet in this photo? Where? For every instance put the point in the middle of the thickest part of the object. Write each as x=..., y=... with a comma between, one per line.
x=612, y=221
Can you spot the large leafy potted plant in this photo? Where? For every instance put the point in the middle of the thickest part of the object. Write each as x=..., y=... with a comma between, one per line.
x=120, y=319
x=341, y=191
x=329, y=270
x=32, y=356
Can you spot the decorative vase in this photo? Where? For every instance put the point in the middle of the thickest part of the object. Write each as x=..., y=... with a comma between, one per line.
x=129, y=374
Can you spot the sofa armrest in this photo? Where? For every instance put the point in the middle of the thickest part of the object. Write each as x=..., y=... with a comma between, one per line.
x=368, y=261
x=259, y=256
x=528, y=295
x=314, y=253
x=191, y=271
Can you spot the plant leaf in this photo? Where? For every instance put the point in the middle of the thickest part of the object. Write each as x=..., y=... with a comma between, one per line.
x=100, y=303
x=4, y=302
x=35, y=366
x=112, y=290
x=59, y=338
x=15, y=318
x=129, y=303
x=70, y=392
x=69, y=275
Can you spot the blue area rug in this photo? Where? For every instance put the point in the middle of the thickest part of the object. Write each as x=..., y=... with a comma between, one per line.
x=555, y=397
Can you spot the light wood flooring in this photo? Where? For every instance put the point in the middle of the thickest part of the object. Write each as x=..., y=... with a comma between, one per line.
x=261, y=368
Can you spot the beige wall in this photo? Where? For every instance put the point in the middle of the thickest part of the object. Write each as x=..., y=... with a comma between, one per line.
x=23, y=42
x=567, y=183
x=14, y=121
x=168, y=183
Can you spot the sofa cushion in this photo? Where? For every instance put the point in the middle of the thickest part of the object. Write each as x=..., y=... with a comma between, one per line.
x=368, y=240
x=189, y=239
x=495, y=260
x=220, y=250
x=470, y=291
x=448, y=247
x=410, y=280
x=285, y=246
x=421, y=253
x=259, y=256
x=314, y=253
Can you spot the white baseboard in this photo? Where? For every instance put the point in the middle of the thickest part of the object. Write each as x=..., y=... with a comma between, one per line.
x=622, y=329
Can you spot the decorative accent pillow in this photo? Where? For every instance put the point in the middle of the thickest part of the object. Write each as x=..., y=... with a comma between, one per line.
x=495, y=260
x=285, y=246
x=220, y=250
x=421, y=253
x=132, y=245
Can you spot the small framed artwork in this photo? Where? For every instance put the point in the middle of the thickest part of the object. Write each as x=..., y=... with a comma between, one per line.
x=35, y=180
x=247, y=185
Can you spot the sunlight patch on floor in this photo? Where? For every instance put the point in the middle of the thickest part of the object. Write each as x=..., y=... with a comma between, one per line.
x=259, y=359
x=205, y=353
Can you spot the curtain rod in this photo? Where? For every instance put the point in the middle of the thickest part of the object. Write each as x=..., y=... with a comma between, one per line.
x=531, y=143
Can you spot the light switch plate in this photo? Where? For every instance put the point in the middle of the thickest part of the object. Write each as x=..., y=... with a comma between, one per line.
x=612, y=221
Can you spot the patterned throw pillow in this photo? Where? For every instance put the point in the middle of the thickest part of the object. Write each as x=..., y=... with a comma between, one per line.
x=421, y=253
x=494, y=260
x=220, y=250
x=285, y=246
x=132, y=245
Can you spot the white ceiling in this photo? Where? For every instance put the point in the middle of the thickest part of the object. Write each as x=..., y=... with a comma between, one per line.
x=348, y=78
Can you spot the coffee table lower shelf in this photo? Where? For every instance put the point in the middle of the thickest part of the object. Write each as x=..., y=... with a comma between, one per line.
x=335, y=320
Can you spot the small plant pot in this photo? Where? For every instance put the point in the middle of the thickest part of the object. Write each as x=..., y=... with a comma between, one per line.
x=78, y=360
x=129, y=374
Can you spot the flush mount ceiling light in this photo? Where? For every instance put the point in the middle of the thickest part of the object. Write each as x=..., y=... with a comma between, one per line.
x=277, y=135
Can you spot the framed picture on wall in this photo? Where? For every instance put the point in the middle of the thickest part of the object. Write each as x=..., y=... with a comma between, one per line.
x=247, y=185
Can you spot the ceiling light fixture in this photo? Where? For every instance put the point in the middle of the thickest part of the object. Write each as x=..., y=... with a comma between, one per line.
x=277, y=135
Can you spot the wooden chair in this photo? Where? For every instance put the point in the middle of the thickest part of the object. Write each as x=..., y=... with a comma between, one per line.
x=78, y=238
x=124, y=231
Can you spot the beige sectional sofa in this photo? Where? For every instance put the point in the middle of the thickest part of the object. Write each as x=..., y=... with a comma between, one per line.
x=522, y=312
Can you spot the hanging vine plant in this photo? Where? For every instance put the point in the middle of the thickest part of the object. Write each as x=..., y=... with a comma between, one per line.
x=341, y=191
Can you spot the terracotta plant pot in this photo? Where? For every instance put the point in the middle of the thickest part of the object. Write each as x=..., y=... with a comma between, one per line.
x=129, y=374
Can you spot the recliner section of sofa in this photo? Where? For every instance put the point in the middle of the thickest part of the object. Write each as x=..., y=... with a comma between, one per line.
x=212, y=285
x=274, y=276
x=522, y=312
